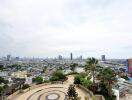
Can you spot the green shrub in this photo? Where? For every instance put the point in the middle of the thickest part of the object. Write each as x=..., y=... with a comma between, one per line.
x=86, y=83
x=125, y=77
x=39, y=80
x=80, y=79
x=54, y=78
x=1, y=68
x=72, y=73
x=86, y=98
x=5, y=86
x=58, y=76
x=46, y=81
x=25, y=86
x=2, y=80
x=83, y=75
x=93, y=98
x=109, y=98
x=77, y=79
x=1, y=88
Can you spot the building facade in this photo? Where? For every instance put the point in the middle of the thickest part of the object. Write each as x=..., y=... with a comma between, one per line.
x=71, y=56
x=8, y=57
x=129, y=66
x=103, y=57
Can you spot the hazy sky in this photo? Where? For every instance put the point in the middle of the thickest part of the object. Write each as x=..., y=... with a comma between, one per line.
x=44, y=28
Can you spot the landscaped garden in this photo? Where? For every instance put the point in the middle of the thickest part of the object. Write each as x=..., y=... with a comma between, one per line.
x=97, y=79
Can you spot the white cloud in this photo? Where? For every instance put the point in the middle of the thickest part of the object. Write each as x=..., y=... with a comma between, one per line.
x=52, y=27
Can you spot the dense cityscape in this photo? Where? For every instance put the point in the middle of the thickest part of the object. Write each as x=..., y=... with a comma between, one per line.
x=20, y=74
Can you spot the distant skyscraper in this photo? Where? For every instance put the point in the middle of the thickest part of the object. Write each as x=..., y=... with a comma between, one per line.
x=60, y=57
x=129, y=66
x=71, y=57
x=8, y=57
x=17, y=58
x=103, y=57
x=80, y=57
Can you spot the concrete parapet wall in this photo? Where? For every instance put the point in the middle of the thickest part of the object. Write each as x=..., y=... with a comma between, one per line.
x=98, y=97
x=12, y=95
x=85, y=89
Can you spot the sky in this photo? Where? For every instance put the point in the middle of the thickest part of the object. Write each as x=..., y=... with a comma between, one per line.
x=48, y=28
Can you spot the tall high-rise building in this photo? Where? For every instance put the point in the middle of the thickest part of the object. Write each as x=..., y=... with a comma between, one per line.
x=103, y=57
x=17, y=58
x=60, y=57
x=71, y=57
x=8, y=57
x=80, y=57
x=129, y=66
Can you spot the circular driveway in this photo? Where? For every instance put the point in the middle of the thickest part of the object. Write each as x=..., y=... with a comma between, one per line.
x=51, y=92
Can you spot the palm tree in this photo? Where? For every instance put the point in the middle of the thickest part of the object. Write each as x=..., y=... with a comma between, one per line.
x=107, y=77
x=91, y=66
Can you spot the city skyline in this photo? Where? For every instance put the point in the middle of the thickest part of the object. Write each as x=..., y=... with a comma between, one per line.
x=48, y=28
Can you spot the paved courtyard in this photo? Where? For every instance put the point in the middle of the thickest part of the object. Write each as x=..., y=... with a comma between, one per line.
x=51, y=92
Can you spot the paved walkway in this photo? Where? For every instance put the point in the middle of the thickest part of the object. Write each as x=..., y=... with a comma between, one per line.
x=127, y=97
x=40, y=93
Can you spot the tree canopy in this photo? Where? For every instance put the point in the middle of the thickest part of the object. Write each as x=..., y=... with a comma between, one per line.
x=108, y=78
x=73, y=66
x=39, y=80
x=2, y=80
x=58, y=76
x=72, y=94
